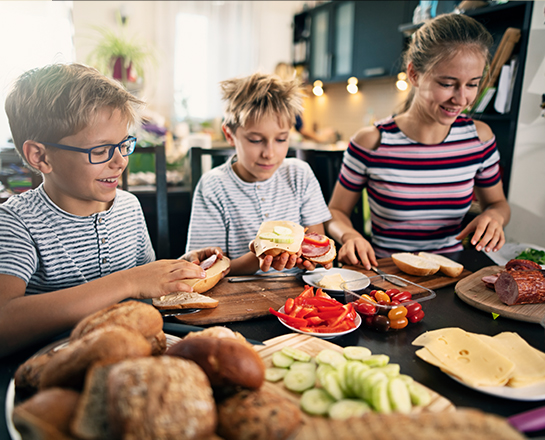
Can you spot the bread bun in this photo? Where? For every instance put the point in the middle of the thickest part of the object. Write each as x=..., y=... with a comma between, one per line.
x=326, y=258
x=185, y=300
x=46, y=415
x=226, y=361
x=27, y=376
x=415, y=265
x=264, y=246
x=213, y=276
x=449, y=267
x=160, y=397
x=68, y=366
x=138, y=315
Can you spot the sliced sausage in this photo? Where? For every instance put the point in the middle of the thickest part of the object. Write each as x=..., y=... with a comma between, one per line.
x=521, y=287
x=522, y=265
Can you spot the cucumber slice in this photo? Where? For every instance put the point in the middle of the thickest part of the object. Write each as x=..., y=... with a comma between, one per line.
x=283, y=239
x=379, y=397
x=390, y=370
x=368, y=382
x=281, y=360
x=296, y=354
x=332, y=386
x=400, y=399
x=353, y=369
x=331, y=357
x=299, y=380
x=316, y=402
x=419, y=395
x=268, y=236
x=309, y=366
x=282, y=230
x=322, y=371
x=406, y=378
x=346, y=408
x=356, y=353
x=274, y=374
x=377, y=360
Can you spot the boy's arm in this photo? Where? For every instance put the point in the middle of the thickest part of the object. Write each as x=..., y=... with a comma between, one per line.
x=25, y=320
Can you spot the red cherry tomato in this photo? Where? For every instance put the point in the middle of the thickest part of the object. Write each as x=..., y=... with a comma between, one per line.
x=413, y=308
x=400, y=323
x=397, y=313
x=417, y=317
x=368, y=321
x=394, y=302
x=402, y=296
x=365, y=308
x=391, y=292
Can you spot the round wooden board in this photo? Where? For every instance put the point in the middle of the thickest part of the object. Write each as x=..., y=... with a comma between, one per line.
x=472, y=291
x=317, y=428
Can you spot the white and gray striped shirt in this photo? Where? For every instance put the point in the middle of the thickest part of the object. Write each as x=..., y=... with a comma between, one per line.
x=227, y=212
x=51, y=249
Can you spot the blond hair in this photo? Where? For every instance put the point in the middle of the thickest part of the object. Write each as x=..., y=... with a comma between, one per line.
x=442, y=38
x=251, y=98
x=49, y=103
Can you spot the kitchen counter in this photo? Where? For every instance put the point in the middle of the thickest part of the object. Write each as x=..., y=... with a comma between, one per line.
x=446, y=310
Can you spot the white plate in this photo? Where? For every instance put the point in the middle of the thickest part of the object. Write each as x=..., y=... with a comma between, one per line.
x=10, y=395
x=529, y=393
x=357, y=321
x=314, y=277
x=510, y=251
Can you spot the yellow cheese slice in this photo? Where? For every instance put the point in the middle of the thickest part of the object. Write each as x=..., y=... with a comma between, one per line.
x=465, y=356
x=262, y=245
x=529, y=362
x=331, y=281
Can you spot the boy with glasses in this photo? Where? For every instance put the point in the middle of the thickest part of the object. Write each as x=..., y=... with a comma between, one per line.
x=76, y=244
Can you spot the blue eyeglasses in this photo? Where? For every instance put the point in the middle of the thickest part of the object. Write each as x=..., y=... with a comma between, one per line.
x=102, y=153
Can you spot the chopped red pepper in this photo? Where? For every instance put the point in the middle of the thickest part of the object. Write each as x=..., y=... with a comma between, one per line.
x=290, y=320
x=288, y=307
x=321, y=294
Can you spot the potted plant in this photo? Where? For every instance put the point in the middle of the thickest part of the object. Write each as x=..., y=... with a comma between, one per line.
x=120, y=57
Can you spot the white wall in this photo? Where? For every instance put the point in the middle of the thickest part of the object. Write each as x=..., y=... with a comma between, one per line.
x=527, y=185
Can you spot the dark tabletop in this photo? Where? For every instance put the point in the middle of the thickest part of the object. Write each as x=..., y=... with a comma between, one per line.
x=446, y=310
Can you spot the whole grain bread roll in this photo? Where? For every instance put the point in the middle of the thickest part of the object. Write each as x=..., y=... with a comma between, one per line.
x=46, y=415
x=28, y=374
x=226, y=361
x=68, y=366
x=137, y=315
x=160, y=397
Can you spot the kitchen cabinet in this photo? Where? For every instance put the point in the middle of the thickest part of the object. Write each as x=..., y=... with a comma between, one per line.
x=354, y=38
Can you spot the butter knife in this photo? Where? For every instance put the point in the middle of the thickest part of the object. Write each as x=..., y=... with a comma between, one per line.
x=241, y=279
x=390, y=278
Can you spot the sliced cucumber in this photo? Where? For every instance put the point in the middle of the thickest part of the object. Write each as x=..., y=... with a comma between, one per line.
x=407, y=379
x=346, y=408
x=316, y=402
x=353, y=371
x=283, y=239
x=303, y=365
x=332, y=386
x=322, y=371
x=331, y=357
x=281, y=360
x=377, y=360
x=400, y=399
x=356, y=353
x=274, y=374
x=368, y=382
x=419, y=395
x=282, y=230
x=268, y=236
x=296, y=354
x=379, y=397
x=390, y=370
x=299, y=380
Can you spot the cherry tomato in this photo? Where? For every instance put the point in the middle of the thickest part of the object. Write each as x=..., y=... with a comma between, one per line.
x=397, y=313
x=380, y=323
x=397, y=324
x=394, y=302
x=368, y=321
x=413, y=308
x=381, y=296
x=383, y=308
x=365, y=308
x=402, y=296
x=417, y=317
x=391, y=292
x=365, y=297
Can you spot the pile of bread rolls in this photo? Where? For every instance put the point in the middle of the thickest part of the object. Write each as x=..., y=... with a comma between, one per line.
x=116, y=379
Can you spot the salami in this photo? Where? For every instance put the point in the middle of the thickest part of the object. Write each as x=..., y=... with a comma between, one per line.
x=311, y=251
x=209, y=262
x=522, y=265
x=521, y=287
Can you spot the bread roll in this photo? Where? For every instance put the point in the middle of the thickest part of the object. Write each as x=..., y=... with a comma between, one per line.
x=137, y=315
x=47, y=415
x=226, y=361
x=449, y=267
x=160, y=397
x=415, y=265
x=326, y=258
x=185, y=300
x=27, y=377
x=213, y=276
x=68, y=366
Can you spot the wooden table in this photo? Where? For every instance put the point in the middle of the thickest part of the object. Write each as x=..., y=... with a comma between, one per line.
x=446, y=310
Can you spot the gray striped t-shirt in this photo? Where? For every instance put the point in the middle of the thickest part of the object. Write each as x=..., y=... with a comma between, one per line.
x=51, y=249
x=227, y=212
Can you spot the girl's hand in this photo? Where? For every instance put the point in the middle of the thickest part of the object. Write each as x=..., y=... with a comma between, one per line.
x=487, y=231
x=162, y=277
x=356, y=251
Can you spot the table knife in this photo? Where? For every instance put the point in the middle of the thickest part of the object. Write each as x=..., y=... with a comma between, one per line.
x=241, y=279
x=390, y=278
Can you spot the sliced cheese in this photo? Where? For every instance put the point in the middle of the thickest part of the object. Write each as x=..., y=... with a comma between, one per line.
x=465, y=356
x=331, y=281
x=297, y=233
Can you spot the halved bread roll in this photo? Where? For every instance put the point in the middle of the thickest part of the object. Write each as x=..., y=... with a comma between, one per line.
x=185, y=300
x=415, y=265
x=213, y=276
x=449, y=267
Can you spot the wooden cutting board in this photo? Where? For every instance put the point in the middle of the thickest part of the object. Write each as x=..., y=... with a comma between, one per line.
x=252, y=299
x=316, y=428
x=472, y=291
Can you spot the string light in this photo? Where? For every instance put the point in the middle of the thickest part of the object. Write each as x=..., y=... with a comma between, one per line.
x=401, y=82
x=352, y=86
x=318, y=88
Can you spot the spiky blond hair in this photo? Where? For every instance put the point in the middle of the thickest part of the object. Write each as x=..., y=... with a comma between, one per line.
x=251, y=98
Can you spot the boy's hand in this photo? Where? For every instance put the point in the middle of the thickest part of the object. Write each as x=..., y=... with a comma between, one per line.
x=202, y=254
x=163, y=277
x=280, y=262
